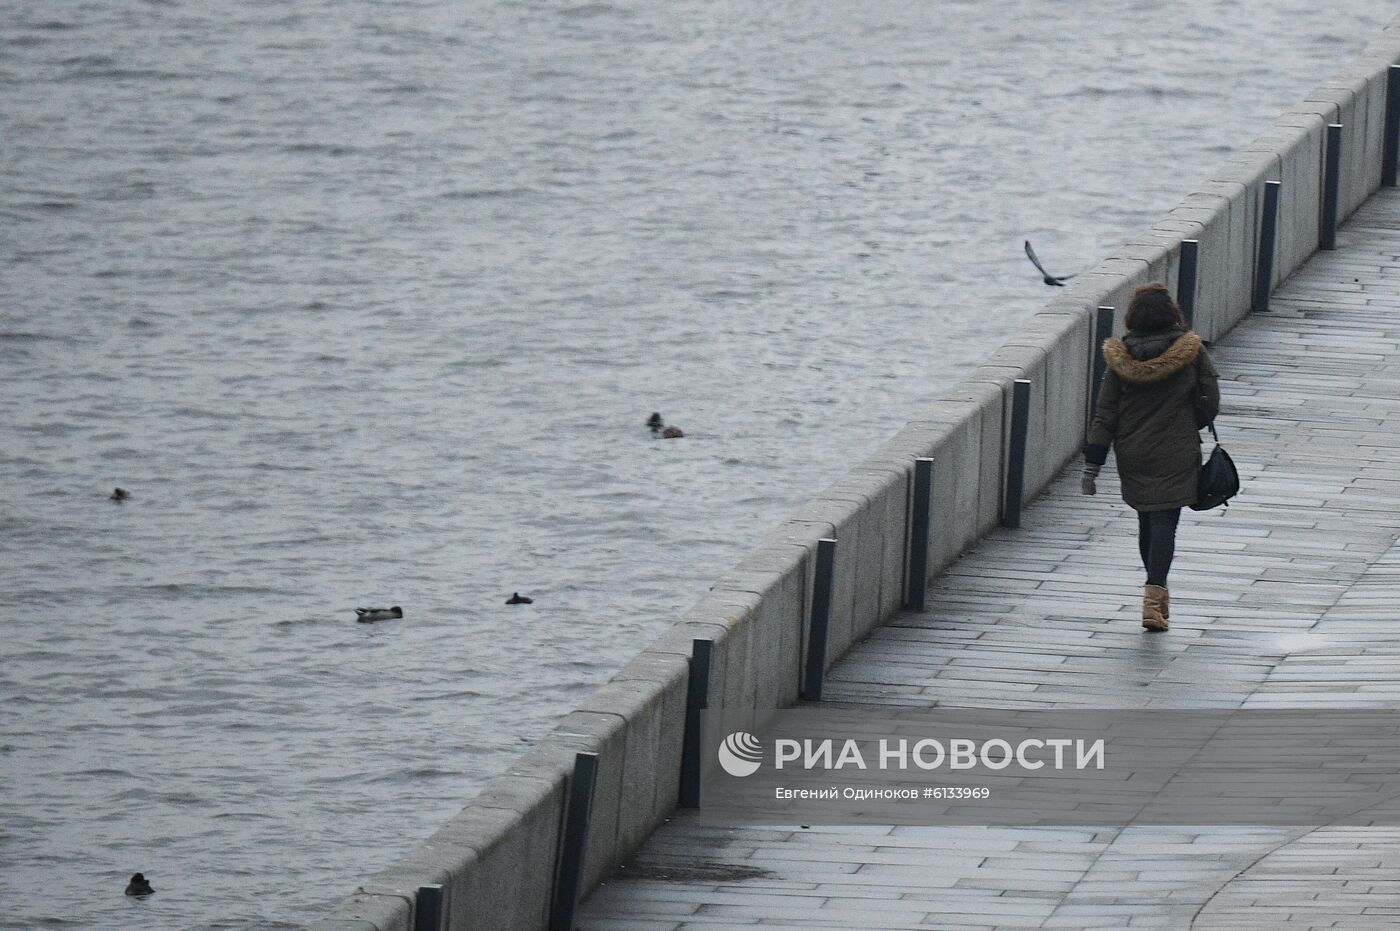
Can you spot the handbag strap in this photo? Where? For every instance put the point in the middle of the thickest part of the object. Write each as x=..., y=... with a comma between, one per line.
x=1215, y=436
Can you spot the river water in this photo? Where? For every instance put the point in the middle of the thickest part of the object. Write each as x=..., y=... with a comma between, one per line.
x=367, y=301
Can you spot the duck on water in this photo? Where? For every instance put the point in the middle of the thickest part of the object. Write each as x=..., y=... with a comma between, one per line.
x=370, y=615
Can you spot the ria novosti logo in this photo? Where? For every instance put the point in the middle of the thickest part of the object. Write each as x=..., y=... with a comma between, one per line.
x=741, y=754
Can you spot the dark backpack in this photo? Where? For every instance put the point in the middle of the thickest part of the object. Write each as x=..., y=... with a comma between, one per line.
x=1218, y=481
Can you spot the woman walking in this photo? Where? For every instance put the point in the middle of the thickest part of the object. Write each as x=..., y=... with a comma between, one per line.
x=1160, y=388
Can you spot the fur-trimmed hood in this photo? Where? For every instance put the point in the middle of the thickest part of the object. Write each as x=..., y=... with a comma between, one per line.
x=1126, y=360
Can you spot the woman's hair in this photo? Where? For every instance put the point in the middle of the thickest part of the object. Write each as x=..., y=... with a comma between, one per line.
x=1152, y=310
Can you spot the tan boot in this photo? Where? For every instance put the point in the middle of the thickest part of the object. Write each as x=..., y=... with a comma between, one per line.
x=1166, y=605
x=1153, y=600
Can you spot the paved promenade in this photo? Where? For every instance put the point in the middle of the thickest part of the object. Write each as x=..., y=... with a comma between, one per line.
x=1289, y=599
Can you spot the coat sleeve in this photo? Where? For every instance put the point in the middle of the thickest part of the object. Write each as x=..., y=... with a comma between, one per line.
x=1105, y=426
x=1208, y=383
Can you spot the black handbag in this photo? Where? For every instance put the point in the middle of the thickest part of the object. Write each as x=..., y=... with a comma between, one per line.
x=1218, y=481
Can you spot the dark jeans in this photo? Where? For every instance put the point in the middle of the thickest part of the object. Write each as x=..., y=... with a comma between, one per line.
x=1157, y=543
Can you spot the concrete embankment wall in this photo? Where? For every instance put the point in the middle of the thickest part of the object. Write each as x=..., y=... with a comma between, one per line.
x=496, y=858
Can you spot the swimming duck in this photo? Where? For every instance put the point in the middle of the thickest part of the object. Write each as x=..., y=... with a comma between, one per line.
x=656, y=423
x=120, y=494
x=370, y=615
x=672, y=433
x=138, y=885
x=519, y=599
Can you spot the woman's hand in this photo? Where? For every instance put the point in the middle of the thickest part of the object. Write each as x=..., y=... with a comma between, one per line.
x=1087, y=485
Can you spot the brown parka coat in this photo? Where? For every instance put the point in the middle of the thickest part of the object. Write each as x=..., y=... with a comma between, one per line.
x=1147, y=412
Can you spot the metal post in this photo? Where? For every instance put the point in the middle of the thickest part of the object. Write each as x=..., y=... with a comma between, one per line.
x=697, y=698
x=1186, y=280
x=1103, y=330
x=428, y=912
x=1390, y=154
x=1268, y=234
x=1331, y=180
x=1016, y=455
x=820, y=620
x=916, y=588
x=573, y=844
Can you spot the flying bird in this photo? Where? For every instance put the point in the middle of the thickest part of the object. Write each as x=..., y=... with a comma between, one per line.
x=1054, y=281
